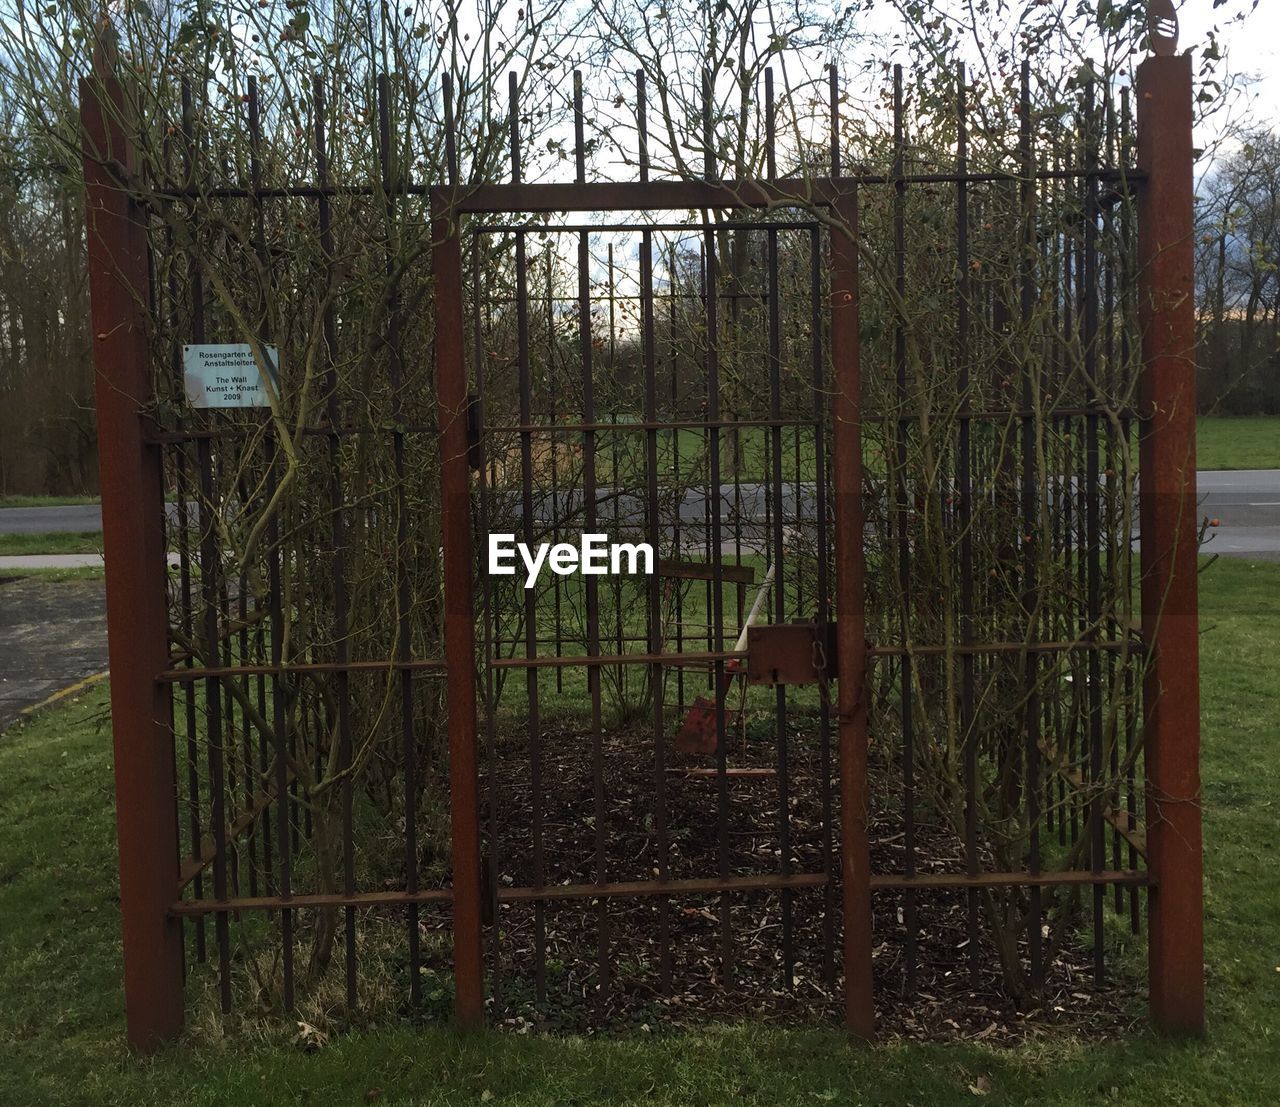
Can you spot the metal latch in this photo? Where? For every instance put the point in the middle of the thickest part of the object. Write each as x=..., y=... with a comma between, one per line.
x=791, y=653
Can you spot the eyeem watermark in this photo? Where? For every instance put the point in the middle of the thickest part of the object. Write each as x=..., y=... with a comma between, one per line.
x=595, y=556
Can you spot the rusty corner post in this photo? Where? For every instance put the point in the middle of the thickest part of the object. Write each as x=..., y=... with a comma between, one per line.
x=131, y=477
x=459, y=616
x=1170, y=624
x=851, y=704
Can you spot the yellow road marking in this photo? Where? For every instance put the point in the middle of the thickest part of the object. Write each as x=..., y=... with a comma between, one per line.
x=69, y=690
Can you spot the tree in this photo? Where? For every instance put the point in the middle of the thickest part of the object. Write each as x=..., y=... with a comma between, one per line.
x=1238, y=277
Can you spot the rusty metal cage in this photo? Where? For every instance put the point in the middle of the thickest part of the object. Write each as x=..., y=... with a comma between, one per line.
x=886, y=706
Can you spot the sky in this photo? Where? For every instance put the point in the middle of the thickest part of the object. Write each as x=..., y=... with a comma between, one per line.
x=1251, y=48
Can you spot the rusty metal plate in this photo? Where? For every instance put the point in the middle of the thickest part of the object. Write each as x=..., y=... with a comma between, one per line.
x=787, y=653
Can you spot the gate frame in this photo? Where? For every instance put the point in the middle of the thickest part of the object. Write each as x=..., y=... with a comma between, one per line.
x=448, y=205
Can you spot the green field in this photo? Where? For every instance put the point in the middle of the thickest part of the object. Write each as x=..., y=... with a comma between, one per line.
x=61, y=1008
x=1238, y=442
x=45, y=501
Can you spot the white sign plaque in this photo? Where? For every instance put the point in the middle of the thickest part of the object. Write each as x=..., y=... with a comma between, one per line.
x=225, y=374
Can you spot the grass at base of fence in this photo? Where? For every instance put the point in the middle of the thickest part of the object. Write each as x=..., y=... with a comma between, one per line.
x=62, y=1018
x=53, y=542
x=58, y=576
x=1238, y=442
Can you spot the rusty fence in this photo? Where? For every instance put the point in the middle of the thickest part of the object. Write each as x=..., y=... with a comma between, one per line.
x=910, y=694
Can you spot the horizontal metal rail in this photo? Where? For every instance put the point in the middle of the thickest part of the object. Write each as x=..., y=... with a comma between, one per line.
x=182, y=676
x=809, y=423
x=243, y=430
x=691, y=229
x=157, y=436
x=634, y=889
x=1110, y=645
x=607, y=199
x=703, y=657
x=1133, y=877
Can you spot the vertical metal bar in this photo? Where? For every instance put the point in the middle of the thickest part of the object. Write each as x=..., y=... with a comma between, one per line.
x=676, y=434
x=899, y=433
x=1171, y=700
x=279, y=724
x=459, y=628
x=1093, y=532
x=183, y=497
x=215, y=732
x=716, y=553
x=209, y=573
x=493, y=868
x=616, y=461
x=592, y=585
x=964, y=480
x=710, y=503
x=530, y=594
x=553, y=415
x=279, y=690
x=249, y=778
x=131, y=476
x=342, y=642
x=851, y=710
x=1127, y=323
x=1057, y=719
x=649, y=358
x=1071, y=485
x=1054, y=474
x=1031, y=537
x=776, y=541
x=816, y=325
x=823, y=595
x=221, y=480
x=395, y=372
x=182, y=529
x=1114, y=551
x=1057, y=787
x=264, y=762
x=260, y=251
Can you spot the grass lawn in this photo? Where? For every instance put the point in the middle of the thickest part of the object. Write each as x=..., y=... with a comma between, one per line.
x=56, y=576
x=45, y=501
x=1238, y=442
x=61, y=1008
x=54, y=542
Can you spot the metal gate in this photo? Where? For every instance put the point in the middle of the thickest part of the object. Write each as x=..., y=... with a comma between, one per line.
x=658, y=797
x=611, y=838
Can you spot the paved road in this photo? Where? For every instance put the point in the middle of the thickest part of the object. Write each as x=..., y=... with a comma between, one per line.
x=1246, y=503
x=51, y=634
x=41, y=520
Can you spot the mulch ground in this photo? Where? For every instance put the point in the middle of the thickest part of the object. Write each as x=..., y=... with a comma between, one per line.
x=683, y=959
